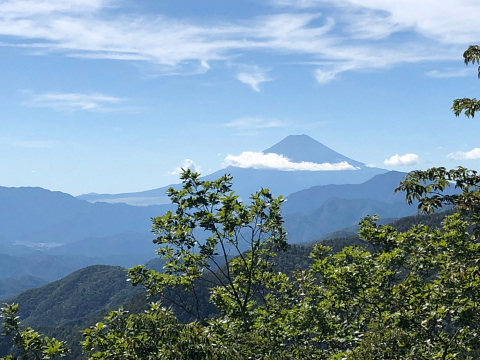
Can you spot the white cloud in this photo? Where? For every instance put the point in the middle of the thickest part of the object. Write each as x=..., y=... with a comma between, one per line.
x=272, y=161
x=354, y=36
x=468, y=155
x=371, y=25
x=71, y=102
x=254, y=123
x=175, y=46
x=449, y=21
x=449, y=73
x=402, y=160
x=253, y=76
x=325, y=76
x=329, y=72
x=187, y=164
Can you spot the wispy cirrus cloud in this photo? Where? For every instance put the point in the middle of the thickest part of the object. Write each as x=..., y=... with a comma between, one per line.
x=71, y=102
x=272, y=161
x=465, y=155
x=328, y=72
x=402, y=160
x=338, y=36
x=451, y=21
x=254, y=123
x=438, y=31
x=253, y=76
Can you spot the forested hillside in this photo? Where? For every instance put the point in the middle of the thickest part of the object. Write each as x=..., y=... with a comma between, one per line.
x=64, y=307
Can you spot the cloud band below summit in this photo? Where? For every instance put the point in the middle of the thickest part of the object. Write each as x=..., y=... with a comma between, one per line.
x=272, y=161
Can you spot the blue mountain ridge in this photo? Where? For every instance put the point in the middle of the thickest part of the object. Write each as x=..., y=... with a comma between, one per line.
x=36, y=215
x=49, y=234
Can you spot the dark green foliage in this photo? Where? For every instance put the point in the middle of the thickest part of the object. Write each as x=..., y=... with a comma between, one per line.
x=155, y=334
x=431, y=220
x=413, y=298
x=469, y=106
x=428, y=188
x=296, y=257
x=63, y=308
x=82, y=294
x=28, y=343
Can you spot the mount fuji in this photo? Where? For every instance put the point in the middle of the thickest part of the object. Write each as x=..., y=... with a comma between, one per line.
x=295, y=163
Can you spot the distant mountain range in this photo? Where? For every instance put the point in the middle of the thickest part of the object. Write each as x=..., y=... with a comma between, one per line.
x=47, y=235
x=380, y=188
x=35, y=215
x=314, y=212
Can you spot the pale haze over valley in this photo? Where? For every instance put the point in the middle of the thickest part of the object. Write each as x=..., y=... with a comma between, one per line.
x=116, y=96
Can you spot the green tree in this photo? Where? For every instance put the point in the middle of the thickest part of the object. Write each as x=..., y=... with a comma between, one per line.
x=428, y=188
x=414, y=296
x=29, y=343
x=213, y=231
x=468, y=105
x=153, y=335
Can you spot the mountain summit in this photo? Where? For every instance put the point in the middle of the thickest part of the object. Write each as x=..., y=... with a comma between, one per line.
x=323, y=169
x=326, y=166
x=300, y=148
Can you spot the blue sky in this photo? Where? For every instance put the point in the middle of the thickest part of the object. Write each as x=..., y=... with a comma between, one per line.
x=116, y=95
